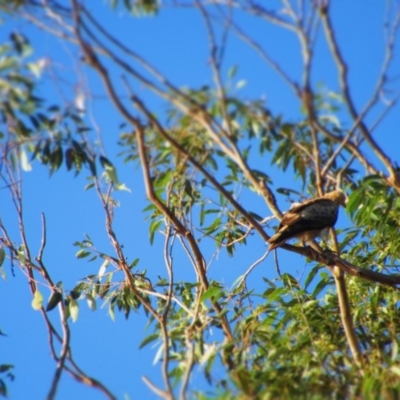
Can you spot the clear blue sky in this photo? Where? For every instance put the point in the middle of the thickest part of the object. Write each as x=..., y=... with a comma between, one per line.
x=175, y=42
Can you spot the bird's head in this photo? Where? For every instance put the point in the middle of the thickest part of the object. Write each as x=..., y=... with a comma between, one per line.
x=337, y=196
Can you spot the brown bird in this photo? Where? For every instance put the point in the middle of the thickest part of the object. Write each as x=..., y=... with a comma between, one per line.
x=309, y=219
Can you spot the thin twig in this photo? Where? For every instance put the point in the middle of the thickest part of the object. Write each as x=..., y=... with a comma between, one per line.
x=252, y=266
x=343, y=79
x=164, y=319
x=154, y=388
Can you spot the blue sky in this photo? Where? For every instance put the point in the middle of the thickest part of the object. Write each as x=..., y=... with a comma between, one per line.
x=175, y=42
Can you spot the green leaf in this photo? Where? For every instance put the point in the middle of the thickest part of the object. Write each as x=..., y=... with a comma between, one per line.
x=242, y=83
x=354, y=202
x=56, y=159
x=149, y=339
x=75, y=293
x=155, y=224
x=311, y=276
x=36, y=68
x=69, y=157
x=232, y=71
x=122, y=187
x=21, y=44
x=103, y=268
x=134, y=263
x=275, y=293
x=5, y=367
x=26, y=166
x=54, y=299
x=2, y=256
x=212, y=291
x=111, y=312
x=322, y=284
x=91, y=301
x=109, y=169
x=260, y=175
x=37, y=301
x=7, y=63
x=82, y=253
x=104, y=289
x=73, y=309
x=213, y=227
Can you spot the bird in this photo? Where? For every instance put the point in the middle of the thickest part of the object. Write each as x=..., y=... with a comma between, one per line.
x=309, y=219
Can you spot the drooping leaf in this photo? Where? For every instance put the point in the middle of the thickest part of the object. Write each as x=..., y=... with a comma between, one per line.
x=37, y=301
x=73, y=309
x=2, y=256
x=91, y=301
x=148, y=339
x=54, y=299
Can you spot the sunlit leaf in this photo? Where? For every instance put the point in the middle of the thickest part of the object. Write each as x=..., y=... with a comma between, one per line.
x=91, y=301
x=213, y=291
x=37, y=301
x=242, y=83
x=82, y=253
x=154, y=226
x=148, y=339
x=26, y=166
x=103, y=268
x=122, y=187
x=73, y=309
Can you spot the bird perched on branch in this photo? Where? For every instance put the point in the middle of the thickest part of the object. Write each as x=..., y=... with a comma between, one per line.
x=309, y=219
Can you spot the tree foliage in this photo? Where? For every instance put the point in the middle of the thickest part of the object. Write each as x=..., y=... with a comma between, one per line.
x=207, y=158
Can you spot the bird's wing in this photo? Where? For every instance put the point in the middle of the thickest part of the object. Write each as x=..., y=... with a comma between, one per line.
x=300, y=206
x=312, y=215
x=302, y=210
